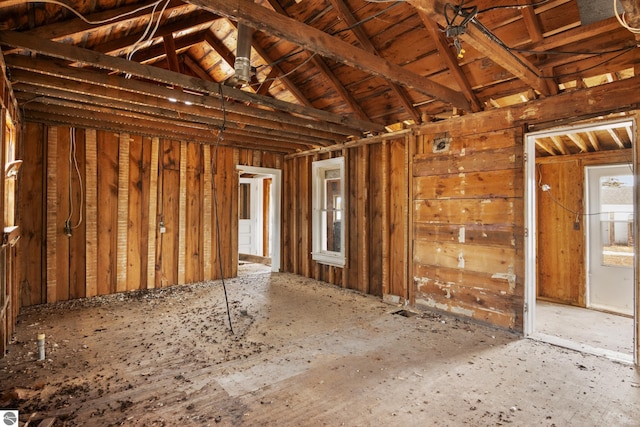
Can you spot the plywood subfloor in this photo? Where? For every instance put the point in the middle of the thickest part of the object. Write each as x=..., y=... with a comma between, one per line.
x=303, y=354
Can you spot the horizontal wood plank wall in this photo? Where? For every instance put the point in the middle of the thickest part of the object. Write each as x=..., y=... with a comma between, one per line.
x=468, y=219
x=369, y=174
x=561, y=248
x=130, y=184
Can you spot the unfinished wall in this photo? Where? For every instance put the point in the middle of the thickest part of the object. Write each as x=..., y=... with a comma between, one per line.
x=9, y=293
x=142, y=215
x=561, y=248
x=376, y=218
x=467, y=221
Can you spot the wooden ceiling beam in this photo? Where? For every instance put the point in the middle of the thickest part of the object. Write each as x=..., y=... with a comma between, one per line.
x=76, y=54
x=559, y=144
x=28, y=93
x=579, y=141
x=593, y=140
x=95, y=117
x=486, y=44
x=156, y=52
x=85, y=93
x=172, y=55
x=544, y=147
x=324, y=69
x=345, y=13
x=196, y=68
x=314, y=40
x=282, y=76
x=616, y=138
x=263, y=89
x=450, y=60
x=531, y=21
x=126, y=14
x=576, y=35
x=343, y=93
x=126, y=43
x=75, y=76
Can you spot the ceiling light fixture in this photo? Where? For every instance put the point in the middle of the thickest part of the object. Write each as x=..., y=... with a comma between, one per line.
x=455, y=30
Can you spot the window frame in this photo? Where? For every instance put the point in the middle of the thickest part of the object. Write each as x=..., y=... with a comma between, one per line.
x=319, y=234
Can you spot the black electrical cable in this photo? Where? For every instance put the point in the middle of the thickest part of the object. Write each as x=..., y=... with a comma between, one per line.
x=514, y=6
x=214, y=161
x=589, y=68
x=570, y=52
x=368, y=18
x=497, y=40
x=349, y=28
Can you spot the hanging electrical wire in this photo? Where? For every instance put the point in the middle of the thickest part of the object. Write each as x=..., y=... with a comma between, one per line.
x=78, y=14
x=214, y=162
x=622, y=19
x=545, y=188
x=513, y=6
x=73, y=167
x=139, y=43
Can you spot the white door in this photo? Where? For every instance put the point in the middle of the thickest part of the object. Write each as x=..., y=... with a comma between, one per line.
x=610, y=238
x=249, y=216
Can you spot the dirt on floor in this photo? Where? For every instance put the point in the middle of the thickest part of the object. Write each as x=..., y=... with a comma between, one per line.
x=301, y=353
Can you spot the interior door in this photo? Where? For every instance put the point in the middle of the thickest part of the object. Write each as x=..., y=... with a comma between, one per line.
x=610, y=236
x=249, y=214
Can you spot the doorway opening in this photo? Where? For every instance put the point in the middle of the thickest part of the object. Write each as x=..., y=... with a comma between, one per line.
x=259, y=201
x=580, y=285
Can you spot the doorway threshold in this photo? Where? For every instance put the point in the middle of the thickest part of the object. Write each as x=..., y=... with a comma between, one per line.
x=583, y=348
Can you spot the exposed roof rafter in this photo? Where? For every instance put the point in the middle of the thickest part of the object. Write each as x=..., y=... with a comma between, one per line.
x=326, y=45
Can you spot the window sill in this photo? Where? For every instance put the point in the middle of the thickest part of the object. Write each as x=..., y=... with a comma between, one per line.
x=10, y=235
x=329, y=259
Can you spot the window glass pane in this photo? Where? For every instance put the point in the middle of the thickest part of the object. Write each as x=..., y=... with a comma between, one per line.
x=328, y=206
x=244, y=201
x=616, y=220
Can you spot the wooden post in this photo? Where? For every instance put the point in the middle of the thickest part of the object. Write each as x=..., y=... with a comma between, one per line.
x=52, y=212
x=123, y=212
x=208, y=212
x=345, y=219
x=385, y=217
x=410, y=144
x=153, y=213
x=363, y=217
x=182, y=221
x=91, y=212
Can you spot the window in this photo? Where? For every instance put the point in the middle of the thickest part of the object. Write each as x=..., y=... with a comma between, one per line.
x=328, y=208
x=10, y=172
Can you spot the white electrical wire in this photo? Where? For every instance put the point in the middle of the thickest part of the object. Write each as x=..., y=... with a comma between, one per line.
x=622, y=20
x=10, y=3
x=138, y=44
x=73, y=164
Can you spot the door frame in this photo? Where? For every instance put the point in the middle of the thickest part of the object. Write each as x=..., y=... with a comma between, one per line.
x=275, y=208
x=530, y=276
x=256, y=197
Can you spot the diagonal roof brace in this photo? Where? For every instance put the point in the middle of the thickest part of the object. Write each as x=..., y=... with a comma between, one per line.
x=485, y=42
x=314, y=40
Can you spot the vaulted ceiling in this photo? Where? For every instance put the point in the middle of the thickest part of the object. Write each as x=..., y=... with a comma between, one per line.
x=322, y=71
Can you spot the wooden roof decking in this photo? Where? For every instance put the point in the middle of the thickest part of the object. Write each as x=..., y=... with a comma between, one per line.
x=326, y=71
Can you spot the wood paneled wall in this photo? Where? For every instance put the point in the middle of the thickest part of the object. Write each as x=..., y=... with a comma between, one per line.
x=467, y=224
x=9, y=292
x=561, y=248
x=376, y=205
x=130, y=186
